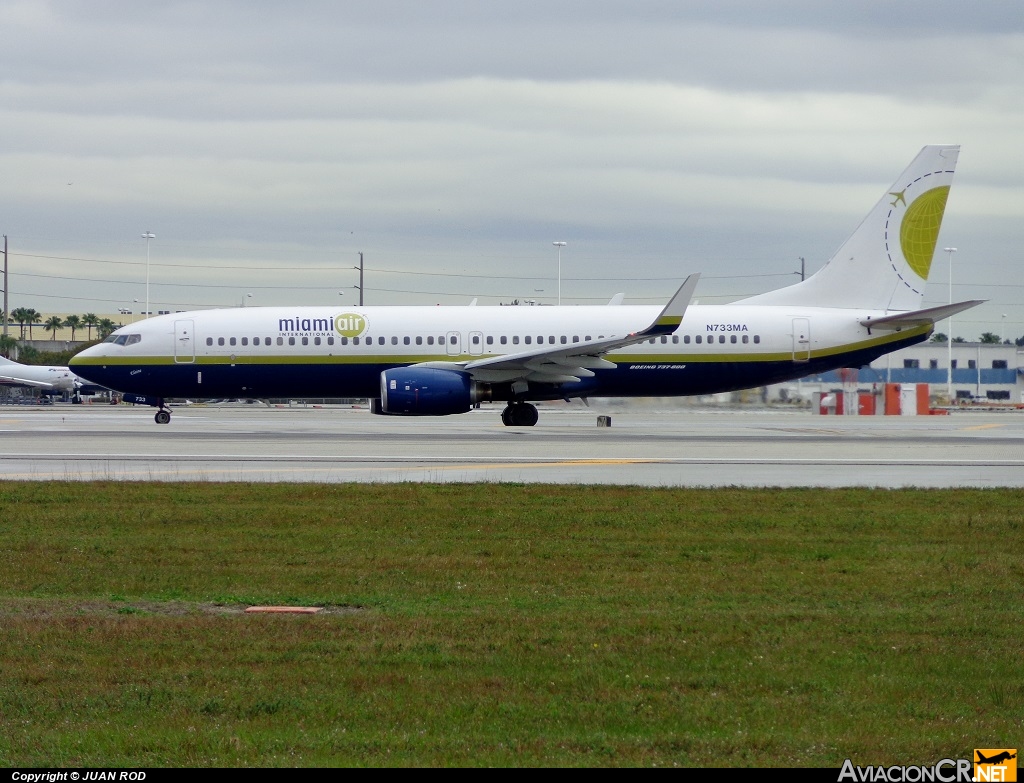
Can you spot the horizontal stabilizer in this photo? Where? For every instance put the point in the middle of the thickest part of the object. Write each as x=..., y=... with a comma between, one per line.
x=919, y=317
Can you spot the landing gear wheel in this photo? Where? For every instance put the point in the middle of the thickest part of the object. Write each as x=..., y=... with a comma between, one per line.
x=519, y=414
x=162, y=417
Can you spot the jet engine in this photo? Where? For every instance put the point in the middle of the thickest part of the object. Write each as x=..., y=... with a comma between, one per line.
x=424, y=391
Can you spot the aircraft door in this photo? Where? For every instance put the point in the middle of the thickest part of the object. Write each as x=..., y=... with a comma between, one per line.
x=184, y=342
x=801, y=339
x=476, y=343
x=454, y=343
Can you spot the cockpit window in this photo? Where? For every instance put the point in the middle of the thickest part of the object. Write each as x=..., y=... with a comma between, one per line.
x=124, y=339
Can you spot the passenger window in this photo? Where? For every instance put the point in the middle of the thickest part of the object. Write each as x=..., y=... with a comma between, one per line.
x=528, y=340
x=732, y=339
x=746, y=339
x=664, y=339
x=504, y=340
x=430, y=339
x=563, y=339
x=355, y=341
x=476, y=339
x=209, y=341
x=721, y=338
x=675, y=339
x=233, y=341
x=698, y=339
x=245, y=341
x=394, y=341
x=316, y=341
x=587, y=338
x=575, y=338
x=405, y=341
x=686, y=339
x=280, y=341
x=551, y=339
x=330, y=340
x=220, y=341
x=490, y=340
x=419, y=340
x=344, y=341
x=291, y=341
x=305, y=341
x=757, y=338
x=515, y=340
x=380, y=341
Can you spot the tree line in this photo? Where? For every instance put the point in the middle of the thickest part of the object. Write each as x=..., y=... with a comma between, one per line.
x=27, y=317
x=987, y=338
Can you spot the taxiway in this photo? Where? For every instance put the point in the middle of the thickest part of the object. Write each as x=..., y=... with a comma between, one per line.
x=677, y=447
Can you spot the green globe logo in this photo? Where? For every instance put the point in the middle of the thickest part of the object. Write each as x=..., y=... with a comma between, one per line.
x=919, y=230
x=349, y=324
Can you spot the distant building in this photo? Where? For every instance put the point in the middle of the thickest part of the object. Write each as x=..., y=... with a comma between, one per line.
x=981, y=371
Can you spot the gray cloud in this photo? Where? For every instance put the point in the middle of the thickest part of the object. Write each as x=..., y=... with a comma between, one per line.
x=462, y=138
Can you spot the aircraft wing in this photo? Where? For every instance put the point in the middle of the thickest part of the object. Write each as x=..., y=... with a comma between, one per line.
x=570, y=363
x=11, y=380
x=929, y=316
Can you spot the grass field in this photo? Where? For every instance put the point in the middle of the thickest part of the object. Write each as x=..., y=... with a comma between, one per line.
x=512, y=625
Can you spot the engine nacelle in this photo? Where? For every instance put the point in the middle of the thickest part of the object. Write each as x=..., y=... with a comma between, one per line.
x=424, y=391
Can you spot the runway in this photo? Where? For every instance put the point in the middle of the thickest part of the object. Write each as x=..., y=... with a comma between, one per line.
x=644, y=446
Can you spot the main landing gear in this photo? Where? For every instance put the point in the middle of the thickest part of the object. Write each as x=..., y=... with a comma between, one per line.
x=519, y=414
x=163, y=416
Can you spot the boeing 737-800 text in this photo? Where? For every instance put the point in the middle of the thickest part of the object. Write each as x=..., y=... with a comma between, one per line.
x=435, y=361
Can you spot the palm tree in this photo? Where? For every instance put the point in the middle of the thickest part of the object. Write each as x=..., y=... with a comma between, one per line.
x=73, y=322
x=90, y=320
x=7, y=345
x=20, y=315
x=988, y=338
x=33, y=318
x=53, y=324
x=105, y=327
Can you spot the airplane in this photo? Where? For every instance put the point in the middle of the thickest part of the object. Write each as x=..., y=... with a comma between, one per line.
x=996, y=759
x=50, y=378
x=437, y=361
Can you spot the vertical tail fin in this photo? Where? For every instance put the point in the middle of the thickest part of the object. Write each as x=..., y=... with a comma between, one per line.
x=885, y=263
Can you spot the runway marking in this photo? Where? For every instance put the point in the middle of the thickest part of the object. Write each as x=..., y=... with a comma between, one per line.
x=984, y=426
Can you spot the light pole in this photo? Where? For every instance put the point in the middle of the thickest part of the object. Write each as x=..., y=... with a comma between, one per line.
x=559, y=245
x=147, y=236
x=360, y=286
x=949, y=338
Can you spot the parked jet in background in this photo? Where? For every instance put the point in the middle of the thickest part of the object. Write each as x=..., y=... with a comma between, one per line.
x=49, y=378
x=435, y=361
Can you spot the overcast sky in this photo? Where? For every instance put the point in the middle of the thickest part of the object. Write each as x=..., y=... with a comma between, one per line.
x=266, y=144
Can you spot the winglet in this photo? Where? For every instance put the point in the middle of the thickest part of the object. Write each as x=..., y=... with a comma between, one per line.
x=670, y=318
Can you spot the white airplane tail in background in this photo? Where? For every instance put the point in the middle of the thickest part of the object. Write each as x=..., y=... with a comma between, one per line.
x=884, y=264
